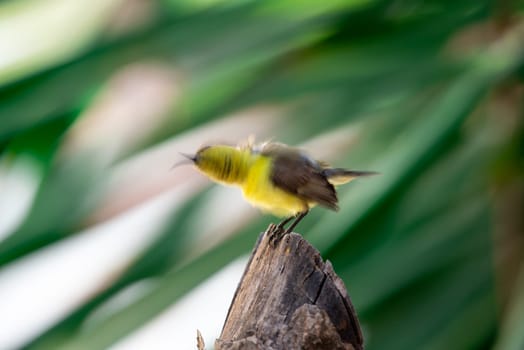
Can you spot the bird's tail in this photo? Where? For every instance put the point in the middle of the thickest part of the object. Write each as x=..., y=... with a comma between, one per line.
x=339, y=176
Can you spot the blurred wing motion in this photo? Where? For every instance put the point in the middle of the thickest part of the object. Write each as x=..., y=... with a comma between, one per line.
x=311, y=180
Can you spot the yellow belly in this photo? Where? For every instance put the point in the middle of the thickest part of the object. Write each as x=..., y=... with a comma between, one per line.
x=261, y=193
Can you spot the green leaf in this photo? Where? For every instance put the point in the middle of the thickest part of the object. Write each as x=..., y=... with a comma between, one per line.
x=511, y=336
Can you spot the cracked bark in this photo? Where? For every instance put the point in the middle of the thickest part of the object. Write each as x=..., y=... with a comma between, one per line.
x=288, y=298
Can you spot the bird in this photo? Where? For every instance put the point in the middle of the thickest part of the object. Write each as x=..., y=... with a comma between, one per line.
x=276, y=178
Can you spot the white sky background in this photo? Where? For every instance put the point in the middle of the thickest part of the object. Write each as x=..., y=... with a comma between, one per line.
x=67, y=273
x=205, y=309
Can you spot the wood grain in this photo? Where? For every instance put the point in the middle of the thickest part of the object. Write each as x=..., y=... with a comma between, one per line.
x=288, y=298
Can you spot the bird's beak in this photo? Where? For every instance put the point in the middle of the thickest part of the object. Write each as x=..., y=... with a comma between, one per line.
x=190, y=159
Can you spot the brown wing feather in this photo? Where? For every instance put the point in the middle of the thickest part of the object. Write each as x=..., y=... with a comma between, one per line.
x=296, y=173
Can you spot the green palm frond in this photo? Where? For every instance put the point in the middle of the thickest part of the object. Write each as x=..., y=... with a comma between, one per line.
x=428, y=93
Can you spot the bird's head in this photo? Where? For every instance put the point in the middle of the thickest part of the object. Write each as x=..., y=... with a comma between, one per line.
x=219, y=162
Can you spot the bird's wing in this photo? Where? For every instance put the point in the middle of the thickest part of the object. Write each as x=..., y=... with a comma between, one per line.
x=296, y=173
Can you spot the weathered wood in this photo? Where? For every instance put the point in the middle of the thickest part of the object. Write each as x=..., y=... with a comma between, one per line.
x=289, y=298
x=200, y=341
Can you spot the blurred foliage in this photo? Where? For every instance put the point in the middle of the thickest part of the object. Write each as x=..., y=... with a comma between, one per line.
x=434, y=89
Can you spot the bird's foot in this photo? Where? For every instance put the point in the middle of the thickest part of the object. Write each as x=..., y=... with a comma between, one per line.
x=275, y=233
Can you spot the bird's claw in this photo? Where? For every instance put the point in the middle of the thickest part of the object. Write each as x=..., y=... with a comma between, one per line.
x=275, y=233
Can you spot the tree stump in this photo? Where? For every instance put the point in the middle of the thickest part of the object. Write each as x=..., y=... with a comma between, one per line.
x=288, y=298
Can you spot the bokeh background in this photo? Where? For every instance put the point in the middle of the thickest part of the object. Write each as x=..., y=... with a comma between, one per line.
x=103, y=246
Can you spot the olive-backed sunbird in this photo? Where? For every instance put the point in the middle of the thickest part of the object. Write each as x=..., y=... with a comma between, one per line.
x=274, y=177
